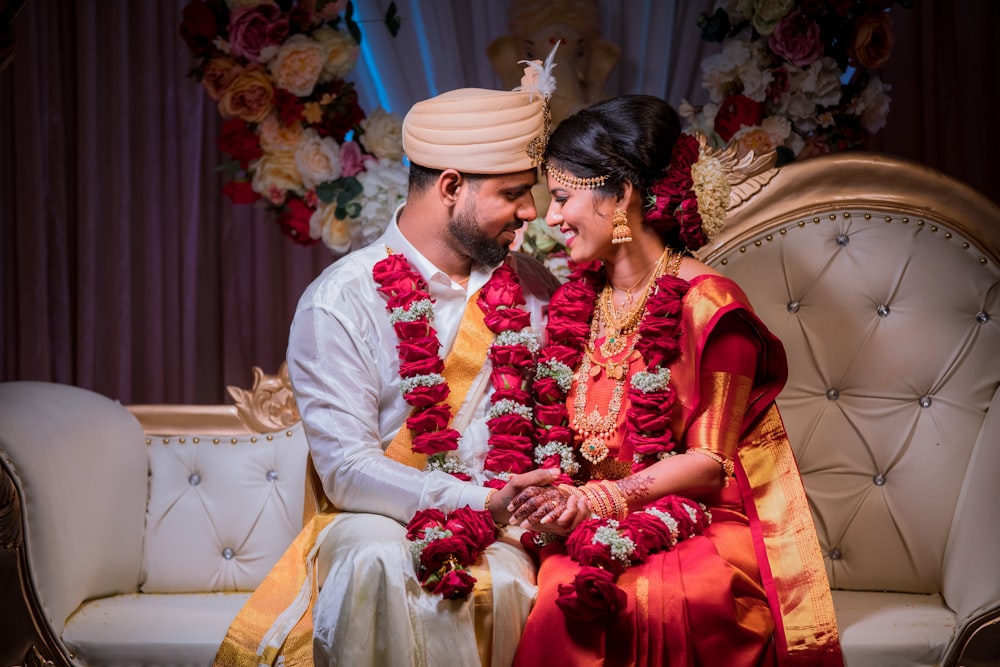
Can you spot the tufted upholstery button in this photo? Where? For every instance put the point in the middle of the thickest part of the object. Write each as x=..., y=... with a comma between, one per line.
x=832, y=394
x=793, y=307
x=925, y=401
x=879, y=479
x=228, y=553
x=882, y=310
x=272, y=475
x=834, y=554
x=982, y=317
x=194, y=479
x=843, y=239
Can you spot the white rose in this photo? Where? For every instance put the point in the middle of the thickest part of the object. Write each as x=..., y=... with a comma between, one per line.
x=778, y=127
x=341, y=52
x=384, y=185
x=383, y=134
x=820, y=81
x=799, y=106
x=876, y=105
x=318, y=159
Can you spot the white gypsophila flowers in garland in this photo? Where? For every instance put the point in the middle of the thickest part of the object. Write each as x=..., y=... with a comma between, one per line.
x=406, y=385
x=567, y=461
x=649, y=382
x=416, y=310
x=621, y=547
x=524, y=338
x=558, y=371
x=431, y=533
x=712, y=189
x=694, y=513
x=506, y=407
x=446, y=462
x=669, y=521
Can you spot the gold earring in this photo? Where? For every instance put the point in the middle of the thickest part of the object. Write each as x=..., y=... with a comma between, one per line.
x=621, y=233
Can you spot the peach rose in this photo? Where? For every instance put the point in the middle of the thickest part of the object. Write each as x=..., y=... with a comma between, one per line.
x=873, y=41
x=341, y=53
x=297, y=65
x=275, y=137
x=250, y=96
x=335, y=232
x=318, y=159
x=274, y=175
x=219, y=73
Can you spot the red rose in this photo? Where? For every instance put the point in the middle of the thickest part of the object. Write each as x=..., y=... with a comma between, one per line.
x=433, y=442
x=438, y=552
x=567, y=330
x=421, y=367
x=547, y=390
x=254, y=28
x=513, y=319
x=574, y=301
x=517, y=443
x=648, y=422
x=737, y=111
x=240, y=192
x=511, y=424
x=237, y=139
x=552, y=415
x=507, y=460
x=392, y=265
x=405, y=299
x=429, y=518
x=474, y=526
x=648, y=533
x=289, y=107
x=455, y=585
x=346, y=113
x=495, y=483
x=412, y=330
x=198, y=27
x=516, y=395
x=797, y=39
x=502, y=290
x=294, y=222
x=564, y=354
x=510, y=355
x=650, y=445
x=422, y=397
x=554, y=434
x=415, y=349
x=592, y=596
x=506, y=377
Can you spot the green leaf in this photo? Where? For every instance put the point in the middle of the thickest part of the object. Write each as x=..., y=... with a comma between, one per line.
x=230, y=168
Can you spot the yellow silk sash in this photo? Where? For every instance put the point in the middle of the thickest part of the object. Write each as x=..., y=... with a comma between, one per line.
x=277, y=618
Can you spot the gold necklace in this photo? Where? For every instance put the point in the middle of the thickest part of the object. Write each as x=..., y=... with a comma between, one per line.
x=620, y=325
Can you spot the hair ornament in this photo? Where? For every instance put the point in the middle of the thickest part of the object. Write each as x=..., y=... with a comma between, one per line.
x=538, y=79
x=574, y=182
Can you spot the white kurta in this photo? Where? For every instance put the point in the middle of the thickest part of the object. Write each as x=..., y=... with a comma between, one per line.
x=344, y=367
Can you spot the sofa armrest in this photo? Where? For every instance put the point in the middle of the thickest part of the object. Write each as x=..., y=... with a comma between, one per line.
x=78, y=464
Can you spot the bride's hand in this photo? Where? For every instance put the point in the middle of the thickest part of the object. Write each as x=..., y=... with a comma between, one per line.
x=548, y=509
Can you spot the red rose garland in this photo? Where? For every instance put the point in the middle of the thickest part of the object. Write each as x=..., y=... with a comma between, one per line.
x=446, y=546
x=674, y=210
x=606, y=548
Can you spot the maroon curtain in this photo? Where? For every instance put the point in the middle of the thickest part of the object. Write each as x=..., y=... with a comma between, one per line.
x=124, y=270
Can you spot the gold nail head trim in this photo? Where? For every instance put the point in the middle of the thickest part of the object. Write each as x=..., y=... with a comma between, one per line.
x=573, y=182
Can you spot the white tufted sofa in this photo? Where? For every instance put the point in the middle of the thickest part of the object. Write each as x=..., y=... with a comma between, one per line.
x=882, y=279
x=134, y=536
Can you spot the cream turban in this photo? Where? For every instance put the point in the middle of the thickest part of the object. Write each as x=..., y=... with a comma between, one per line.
x=475, y=130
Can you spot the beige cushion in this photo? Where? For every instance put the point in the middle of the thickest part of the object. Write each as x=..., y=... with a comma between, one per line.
x=222, y=510
x=129, y=630
x=892, y=629
x=79, y=462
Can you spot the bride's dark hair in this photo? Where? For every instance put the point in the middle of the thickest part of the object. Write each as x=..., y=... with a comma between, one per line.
x=626, y=138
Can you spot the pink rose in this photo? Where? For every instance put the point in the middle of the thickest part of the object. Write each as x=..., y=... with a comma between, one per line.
x=352, y=159
x=797, y=39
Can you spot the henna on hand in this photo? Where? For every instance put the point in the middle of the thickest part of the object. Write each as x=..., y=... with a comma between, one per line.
x=635, y=486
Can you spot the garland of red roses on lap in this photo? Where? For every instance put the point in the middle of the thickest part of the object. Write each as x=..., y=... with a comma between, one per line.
x=606, y=547
x=446, y=545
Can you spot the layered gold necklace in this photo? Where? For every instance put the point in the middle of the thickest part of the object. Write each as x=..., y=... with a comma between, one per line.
x=619, y=328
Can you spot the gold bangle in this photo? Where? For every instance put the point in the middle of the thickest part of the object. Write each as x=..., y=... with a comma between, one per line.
x=728, y=467
x=489, y=497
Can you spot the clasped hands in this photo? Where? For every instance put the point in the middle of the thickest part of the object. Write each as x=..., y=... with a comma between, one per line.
x=529, y=500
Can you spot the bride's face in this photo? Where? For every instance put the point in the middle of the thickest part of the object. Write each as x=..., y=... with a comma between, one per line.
x=584, y=218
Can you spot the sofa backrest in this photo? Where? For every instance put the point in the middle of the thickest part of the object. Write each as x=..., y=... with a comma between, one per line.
x=882, y=279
